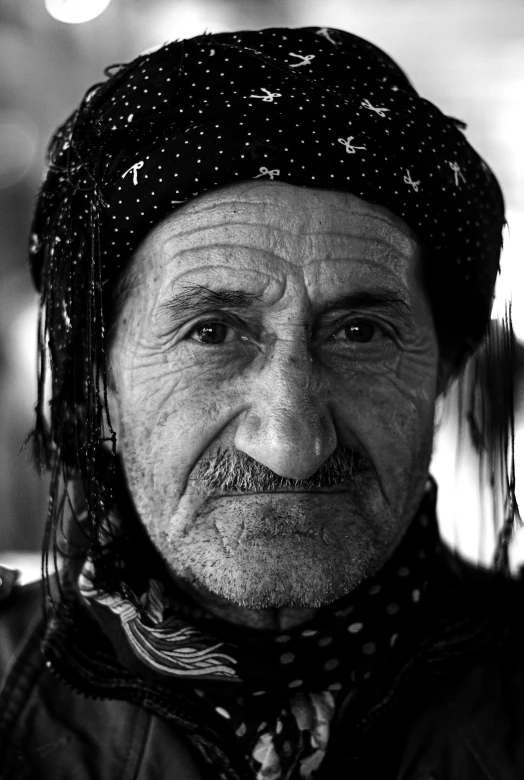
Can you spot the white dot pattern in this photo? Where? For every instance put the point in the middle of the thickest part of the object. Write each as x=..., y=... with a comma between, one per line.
x=300, y=106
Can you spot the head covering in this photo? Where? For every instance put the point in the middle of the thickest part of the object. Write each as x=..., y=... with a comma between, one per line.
x=314, y=107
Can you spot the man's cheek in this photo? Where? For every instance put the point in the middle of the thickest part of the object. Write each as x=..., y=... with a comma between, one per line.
x=168, y=425
x=417, y=375
x=156, y=384
x=148, y=396
x=388, y=417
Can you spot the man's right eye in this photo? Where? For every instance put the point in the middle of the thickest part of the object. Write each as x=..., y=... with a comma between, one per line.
x=212, y=333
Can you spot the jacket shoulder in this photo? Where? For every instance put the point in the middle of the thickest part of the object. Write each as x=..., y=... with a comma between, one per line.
x=469, y=719
x=471, y=725
x=47, y=727
x=60, y=733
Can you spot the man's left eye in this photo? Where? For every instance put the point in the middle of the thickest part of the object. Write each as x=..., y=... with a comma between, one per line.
x=212, y=333
x=358, y=331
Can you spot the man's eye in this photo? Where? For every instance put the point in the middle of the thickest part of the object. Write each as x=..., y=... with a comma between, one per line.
x=357, y=331
x=212, y=333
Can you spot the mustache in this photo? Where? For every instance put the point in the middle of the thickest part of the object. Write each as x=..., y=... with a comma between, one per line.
x=232, y=471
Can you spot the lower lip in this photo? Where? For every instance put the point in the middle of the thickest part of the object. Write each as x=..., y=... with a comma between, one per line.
x=284, y=492
x=279, y=498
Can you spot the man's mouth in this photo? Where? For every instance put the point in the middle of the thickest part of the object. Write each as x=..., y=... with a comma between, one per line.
x=342, y=487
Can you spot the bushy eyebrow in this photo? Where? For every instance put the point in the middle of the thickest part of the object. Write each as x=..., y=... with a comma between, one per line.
x=194, y=298
x=378, y=298
x=197, y=297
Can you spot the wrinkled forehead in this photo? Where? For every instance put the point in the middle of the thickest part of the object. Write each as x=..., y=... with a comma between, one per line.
x=289, y=221
x=266, y=237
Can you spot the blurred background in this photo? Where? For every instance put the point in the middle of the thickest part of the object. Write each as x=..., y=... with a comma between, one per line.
x=467, y=56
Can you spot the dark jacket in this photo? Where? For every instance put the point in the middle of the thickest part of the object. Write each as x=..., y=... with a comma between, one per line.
x=450, y=706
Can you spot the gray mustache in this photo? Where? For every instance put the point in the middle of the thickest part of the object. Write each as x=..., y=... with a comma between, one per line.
x=231, y=471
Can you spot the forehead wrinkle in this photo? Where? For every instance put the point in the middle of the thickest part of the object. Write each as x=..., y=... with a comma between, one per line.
x=272, y=285
x=356, y=224
x=225, y=252
x=404, y=247
x=370, y=253
x=278, y=194
x=362, y=268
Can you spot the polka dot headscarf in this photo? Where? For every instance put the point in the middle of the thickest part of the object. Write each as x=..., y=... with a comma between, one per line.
x=313, y=107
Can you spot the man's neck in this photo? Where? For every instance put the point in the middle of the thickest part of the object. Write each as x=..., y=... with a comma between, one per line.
x=265, y=619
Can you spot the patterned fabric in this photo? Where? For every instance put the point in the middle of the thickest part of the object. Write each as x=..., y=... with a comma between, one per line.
x=167, y=645
x=311, y=107
x=282, y=687
x=297, y=742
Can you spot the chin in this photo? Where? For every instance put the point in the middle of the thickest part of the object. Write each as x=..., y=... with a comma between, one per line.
x=287, y=573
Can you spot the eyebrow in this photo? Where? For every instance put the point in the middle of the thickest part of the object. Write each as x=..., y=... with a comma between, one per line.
x=194, y=297
x=378, y=298
x=198, y=297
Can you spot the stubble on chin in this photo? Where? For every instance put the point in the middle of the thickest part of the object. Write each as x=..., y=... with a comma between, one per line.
x=282, y=559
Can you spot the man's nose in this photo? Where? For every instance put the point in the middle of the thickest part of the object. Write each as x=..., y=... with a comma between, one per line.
x=288, y=426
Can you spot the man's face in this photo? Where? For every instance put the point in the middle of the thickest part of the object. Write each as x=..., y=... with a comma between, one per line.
x=281, y=326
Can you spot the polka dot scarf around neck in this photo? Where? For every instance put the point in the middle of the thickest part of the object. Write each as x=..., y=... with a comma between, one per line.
x=276, y=691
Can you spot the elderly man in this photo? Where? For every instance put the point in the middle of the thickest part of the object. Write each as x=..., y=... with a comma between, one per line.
x=262, y=257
